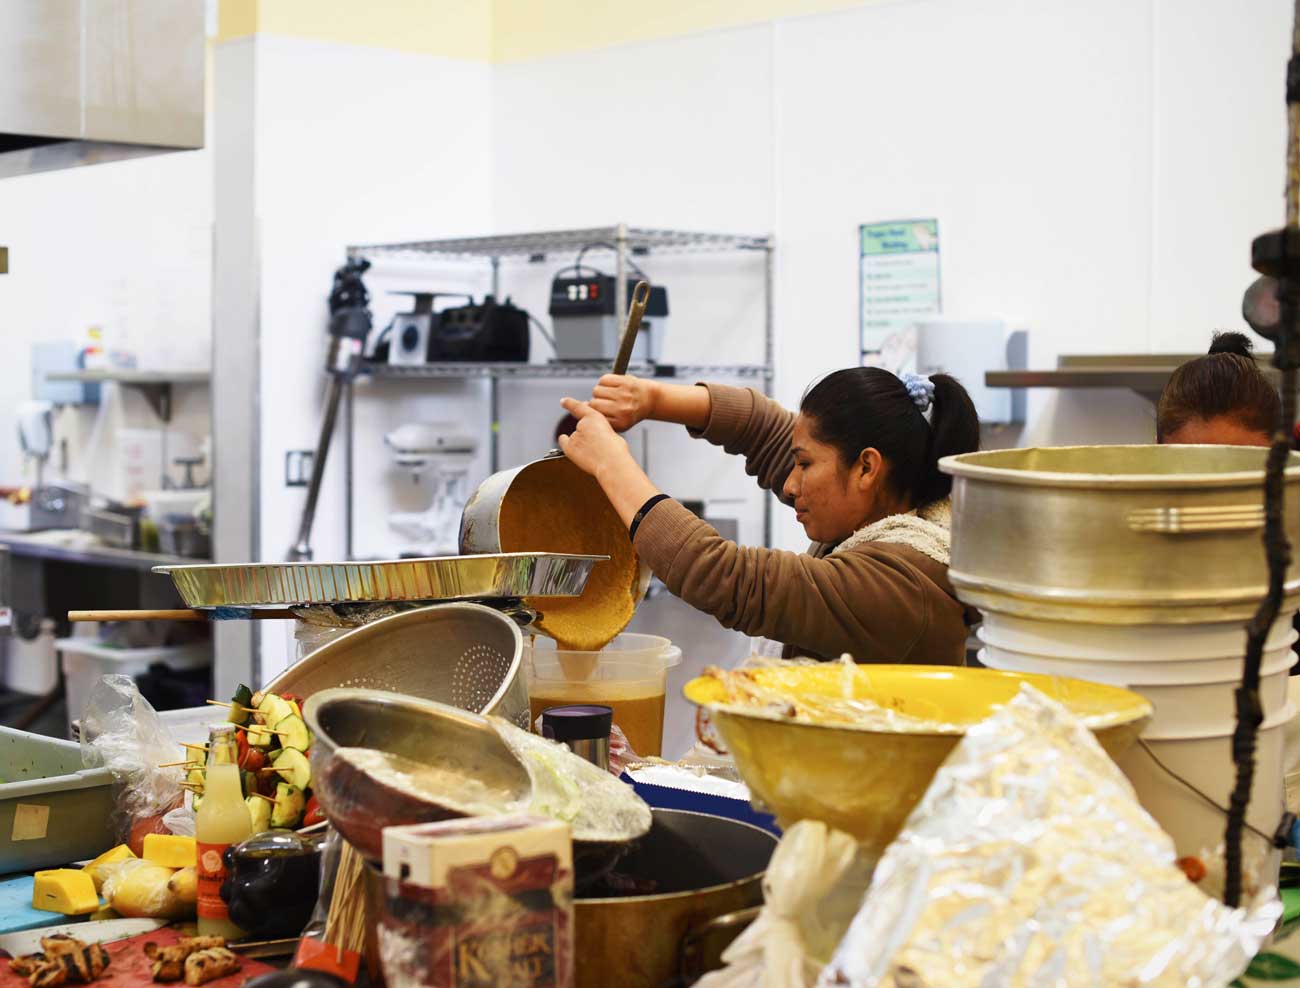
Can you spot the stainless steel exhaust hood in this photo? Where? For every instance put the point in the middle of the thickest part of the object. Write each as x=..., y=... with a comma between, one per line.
x=86, y=81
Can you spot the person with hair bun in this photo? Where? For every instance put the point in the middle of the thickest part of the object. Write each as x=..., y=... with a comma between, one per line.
x=1222, y=398
x=859, y=466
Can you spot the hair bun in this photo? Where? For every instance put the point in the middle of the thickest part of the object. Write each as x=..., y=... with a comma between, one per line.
x=1233, y=342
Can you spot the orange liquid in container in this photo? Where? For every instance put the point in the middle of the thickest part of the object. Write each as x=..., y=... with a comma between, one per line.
x=638, y=707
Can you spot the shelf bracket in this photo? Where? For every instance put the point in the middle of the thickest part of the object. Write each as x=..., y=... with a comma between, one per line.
x=159, y=396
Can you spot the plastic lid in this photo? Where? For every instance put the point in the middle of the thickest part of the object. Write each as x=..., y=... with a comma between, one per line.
x=577, y=722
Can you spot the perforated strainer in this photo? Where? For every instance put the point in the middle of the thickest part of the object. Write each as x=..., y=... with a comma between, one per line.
x=461, y=654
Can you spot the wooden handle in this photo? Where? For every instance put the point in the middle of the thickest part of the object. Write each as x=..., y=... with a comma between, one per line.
x=640, y=296
x=164, y=615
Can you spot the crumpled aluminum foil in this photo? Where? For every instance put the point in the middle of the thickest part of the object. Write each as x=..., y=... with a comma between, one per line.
x=1029, y=862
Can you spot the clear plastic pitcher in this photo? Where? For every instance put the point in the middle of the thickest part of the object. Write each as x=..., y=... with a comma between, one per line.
x=628, y=675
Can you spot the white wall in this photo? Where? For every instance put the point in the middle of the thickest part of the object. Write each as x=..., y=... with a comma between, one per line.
x=1098, y=170
x=352, y=145
x=125, y=246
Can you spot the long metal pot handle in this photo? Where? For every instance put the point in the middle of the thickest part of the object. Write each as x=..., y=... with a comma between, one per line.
x=1197, y=519
x=689, y=957
x=640, y=296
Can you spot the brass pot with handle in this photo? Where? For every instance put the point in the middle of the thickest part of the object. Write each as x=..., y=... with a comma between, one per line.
x=1116, y=534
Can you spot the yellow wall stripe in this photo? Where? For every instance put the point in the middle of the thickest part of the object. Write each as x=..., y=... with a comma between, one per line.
x=525, y=29
x=501, y=30
x=452, y=28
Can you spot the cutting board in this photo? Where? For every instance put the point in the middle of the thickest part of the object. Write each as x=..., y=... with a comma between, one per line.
x=129, y=968
x=16, y=912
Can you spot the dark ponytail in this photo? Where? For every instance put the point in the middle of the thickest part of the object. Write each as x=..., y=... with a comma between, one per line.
x=1225, y=383
x=868, y=407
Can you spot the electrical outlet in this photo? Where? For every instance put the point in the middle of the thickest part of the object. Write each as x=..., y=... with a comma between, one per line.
x=297, y=467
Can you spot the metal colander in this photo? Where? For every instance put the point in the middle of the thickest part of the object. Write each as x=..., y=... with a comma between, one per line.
x=465, y=655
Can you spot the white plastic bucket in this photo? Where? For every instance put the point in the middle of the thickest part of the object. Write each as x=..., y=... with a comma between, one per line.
x=1128, y=643
x=1190, y=698
x=85, y=660
x=1195, y=824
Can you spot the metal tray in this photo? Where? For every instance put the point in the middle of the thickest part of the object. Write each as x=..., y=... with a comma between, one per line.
x=484, y=577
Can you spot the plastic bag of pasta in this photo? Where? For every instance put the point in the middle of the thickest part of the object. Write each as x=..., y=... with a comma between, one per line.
x=334, y=939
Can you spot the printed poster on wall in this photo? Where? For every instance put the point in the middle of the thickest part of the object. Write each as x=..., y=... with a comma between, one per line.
x=898, y=279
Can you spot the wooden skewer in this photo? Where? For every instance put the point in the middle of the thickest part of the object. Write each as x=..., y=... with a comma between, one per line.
x=195, y=747
x=176, y=764
x=226, y=703
x=191, y=787
x=266, y=730
x=181, y=614
x=260, y=796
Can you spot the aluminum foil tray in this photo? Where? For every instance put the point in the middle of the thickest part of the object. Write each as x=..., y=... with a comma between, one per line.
x=482, y=577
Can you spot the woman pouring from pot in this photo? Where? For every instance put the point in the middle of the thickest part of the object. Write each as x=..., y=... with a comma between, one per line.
x=859, y=465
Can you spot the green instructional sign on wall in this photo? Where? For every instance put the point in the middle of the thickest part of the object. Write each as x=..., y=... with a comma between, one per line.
x=898, y=267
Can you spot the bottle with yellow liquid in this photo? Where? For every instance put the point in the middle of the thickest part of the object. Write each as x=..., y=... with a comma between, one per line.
x=222, y=819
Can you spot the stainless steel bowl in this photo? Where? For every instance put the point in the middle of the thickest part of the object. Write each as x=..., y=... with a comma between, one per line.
x=458, y=742
x=1115, y=534
x=360, y=806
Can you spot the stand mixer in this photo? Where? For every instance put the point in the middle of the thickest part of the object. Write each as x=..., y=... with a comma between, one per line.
x=439, y=454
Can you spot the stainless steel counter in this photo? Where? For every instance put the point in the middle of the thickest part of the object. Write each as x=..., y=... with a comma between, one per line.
x=39, y=545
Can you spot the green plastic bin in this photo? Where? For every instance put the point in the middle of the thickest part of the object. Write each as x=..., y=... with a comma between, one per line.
x=52, y=811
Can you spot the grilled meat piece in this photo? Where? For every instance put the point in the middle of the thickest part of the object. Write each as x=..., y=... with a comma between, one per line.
x=49, y=974
x=25, y=965
x=208, y=965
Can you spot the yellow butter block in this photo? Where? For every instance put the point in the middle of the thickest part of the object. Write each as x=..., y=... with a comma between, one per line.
x=170, y=851
x=64, y=890
x=98, y=869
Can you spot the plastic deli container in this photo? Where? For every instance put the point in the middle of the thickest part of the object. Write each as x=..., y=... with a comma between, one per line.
x=629, y=675
x=52, y=810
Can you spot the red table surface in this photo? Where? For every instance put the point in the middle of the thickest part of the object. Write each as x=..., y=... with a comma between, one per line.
x=130, y=968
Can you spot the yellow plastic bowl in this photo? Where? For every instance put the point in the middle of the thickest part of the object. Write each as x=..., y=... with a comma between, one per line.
x=864, y=780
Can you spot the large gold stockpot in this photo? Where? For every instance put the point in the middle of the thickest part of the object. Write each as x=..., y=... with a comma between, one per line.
x=1116, y=534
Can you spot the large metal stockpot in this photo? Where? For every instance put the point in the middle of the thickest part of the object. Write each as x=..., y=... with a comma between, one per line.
x=1116, y=534
x=707, y=875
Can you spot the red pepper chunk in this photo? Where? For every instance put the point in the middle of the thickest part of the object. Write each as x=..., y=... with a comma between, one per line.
x=312, y=814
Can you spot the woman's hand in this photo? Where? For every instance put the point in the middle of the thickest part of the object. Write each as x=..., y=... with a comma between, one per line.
x=624, y=400
x=594, y=444
x=595, y=448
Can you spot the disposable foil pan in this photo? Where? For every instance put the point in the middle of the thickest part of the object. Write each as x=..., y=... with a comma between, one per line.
x=485, y=577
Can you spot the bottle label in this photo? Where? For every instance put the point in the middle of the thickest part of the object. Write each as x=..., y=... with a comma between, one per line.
x=211, y=872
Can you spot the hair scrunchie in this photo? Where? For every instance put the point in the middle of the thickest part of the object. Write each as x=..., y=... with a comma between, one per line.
x=919, y=389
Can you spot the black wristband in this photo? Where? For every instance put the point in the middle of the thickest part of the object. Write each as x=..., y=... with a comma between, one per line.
x=645, y=510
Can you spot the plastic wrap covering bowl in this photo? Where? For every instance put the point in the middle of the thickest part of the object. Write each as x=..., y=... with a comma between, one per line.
x=1116, y=534
x=452, y=763
x=465, y=655
x=857, y=746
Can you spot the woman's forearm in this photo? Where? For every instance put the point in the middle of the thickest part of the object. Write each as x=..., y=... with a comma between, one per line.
x=626, y=485
x=684, y=404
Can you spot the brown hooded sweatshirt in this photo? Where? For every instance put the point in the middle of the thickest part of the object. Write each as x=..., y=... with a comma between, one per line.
x=872, y=597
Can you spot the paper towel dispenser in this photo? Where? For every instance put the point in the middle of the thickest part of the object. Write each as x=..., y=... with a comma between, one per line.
x=966, y=349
